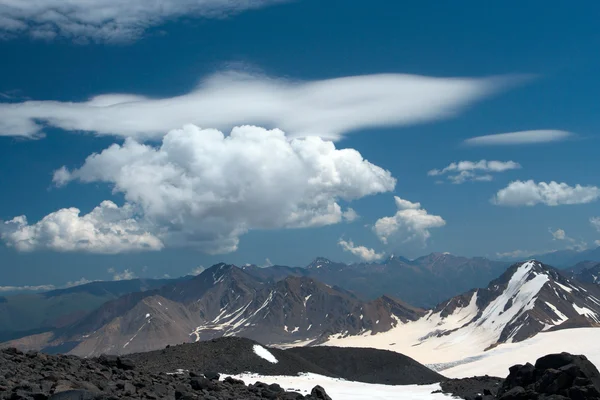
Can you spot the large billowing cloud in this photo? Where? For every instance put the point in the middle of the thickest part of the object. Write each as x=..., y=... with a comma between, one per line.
x=520, y=138
x=464, y=171
x=411, y=222
x=364, y=253
x=530, y=193
x=106, y=229
x=326, y=108
x=106, y=20
x=202, y=189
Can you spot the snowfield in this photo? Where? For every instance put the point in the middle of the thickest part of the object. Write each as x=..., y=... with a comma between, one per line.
x=497, y=361
x=339, y=389
x=466, y=336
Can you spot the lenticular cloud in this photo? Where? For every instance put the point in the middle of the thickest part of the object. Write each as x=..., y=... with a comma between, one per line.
x=326, y=108
x=203, y=189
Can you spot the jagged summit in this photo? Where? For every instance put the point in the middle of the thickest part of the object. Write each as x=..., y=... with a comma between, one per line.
x=530, y=297
x=319, y=262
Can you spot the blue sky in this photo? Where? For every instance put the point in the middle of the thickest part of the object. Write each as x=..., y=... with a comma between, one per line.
x=453, y=73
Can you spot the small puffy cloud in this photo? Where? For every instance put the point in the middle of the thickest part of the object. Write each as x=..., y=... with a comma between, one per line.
x=464, y=171
x=123, y=275
x=350, y=215
x=574, y=244
x=202, y=189
x=106, y=229
x=411, y=222
x=595, y=221
x=597, y=242
x=78, y=282
x=267, y=263
x=364, y=253
x=558, y=234
x=530, y=193
x=107, y=20
x=516, y=254
x=520, y=138
x=326, y=108
x=197, y=271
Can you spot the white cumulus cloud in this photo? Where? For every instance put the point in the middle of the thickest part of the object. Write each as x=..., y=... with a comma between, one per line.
x=558, y=234
x=411, y=222
x=107, y=20
x=123, y=275
x=530, y=193
x=106, y=229
x=519, y=138
x=326, y=108
x=202, y=189
x=364, y=253
x=463, y=171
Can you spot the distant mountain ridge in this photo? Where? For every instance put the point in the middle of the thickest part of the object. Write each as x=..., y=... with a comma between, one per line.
x=224, y=300
x=26, y=313
x=566, y=258
x=423, y=282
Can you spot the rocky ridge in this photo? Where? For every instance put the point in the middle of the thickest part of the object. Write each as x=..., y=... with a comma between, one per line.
x=37, y=376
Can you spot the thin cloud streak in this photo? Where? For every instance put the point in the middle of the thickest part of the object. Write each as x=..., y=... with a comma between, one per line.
x=327, y=108
x=520, y=138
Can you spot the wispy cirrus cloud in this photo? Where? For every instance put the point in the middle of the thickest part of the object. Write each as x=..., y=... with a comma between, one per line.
x=465, y=171
x=530, y=193
x=326, y=108
x=107, y=20
x=520, y=138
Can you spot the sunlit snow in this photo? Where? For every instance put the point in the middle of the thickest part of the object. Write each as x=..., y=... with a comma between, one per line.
x=339, y=389
x=264, y=353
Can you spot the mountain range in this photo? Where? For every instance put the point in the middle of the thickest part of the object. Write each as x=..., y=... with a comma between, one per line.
x=296, y=309
x=224, y=300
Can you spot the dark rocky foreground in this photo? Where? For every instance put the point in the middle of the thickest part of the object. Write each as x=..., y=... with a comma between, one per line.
x=553, y=377
x=37, y=376
x=232, y=355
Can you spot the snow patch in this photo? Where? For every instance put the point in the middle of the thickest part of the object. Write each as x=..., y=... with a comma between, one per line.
x=264, y=353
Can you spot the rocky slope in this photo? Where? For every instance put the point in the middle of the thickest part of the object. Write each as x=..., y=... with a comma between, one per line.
x=38, y=376
x=237, y=355
x=589, y=274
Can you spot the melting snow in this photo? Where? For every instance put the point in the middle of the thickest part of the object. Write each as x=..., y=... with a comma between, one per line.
x=585, y=311
x=264, y=353
x=563, y=287
x=306, y=299
x=561, y=317
x=348, y=390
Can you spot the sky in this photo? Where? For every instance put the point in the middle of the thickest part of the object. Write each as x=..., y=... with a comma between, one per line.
x=149, y=141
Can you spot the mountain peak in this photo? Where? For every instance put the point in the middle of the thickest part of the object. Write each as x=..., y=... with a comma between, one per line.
x=319, y=262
